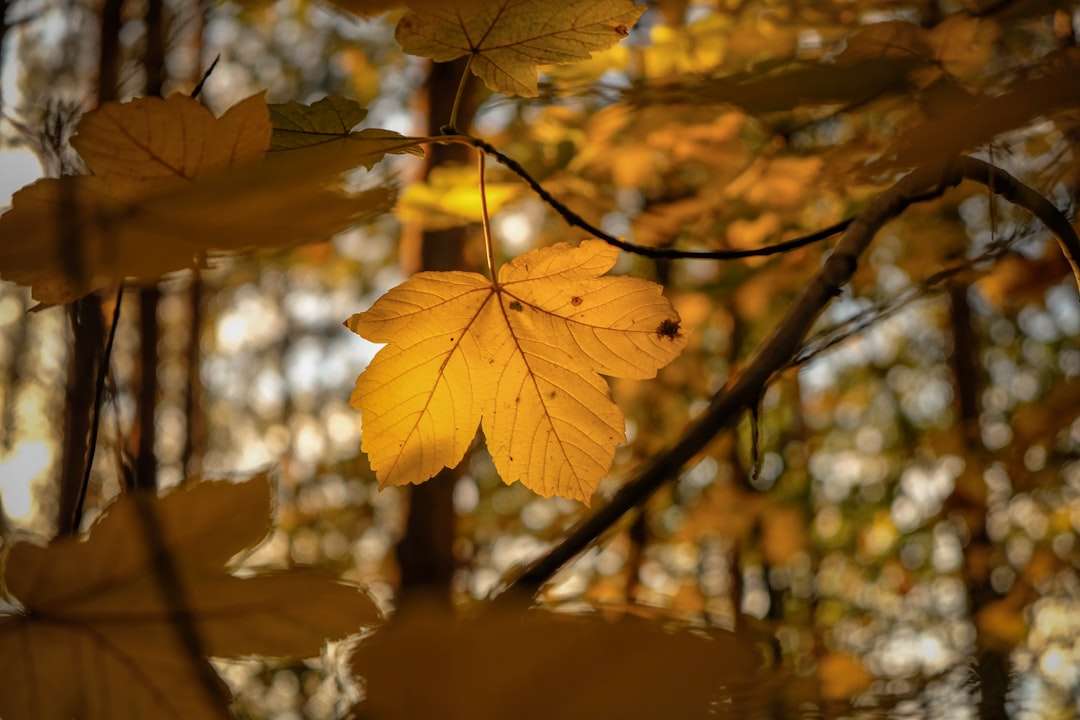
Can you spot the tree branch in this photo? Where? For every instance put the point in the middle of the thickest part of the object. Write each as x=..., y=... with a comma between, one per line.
x=775, y=354
x=575, y=220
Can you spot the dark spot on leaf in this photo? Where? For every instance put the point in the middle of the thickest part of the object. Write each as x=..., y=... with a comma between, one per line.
x=622, y=30
x=517, y=399
x=575, y=301
x=516, y=306
x=668, y=329
x=451, y=339
x=551, y=394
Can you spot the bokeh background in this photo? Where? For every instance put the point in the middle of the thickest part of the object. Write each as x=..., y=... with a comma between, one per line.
x=900, y=529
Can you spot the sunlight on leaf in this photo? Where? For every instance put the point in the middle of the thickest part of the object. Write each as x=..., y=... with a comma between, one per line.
x=507, y=40
x=97, y=638
x=524, y=355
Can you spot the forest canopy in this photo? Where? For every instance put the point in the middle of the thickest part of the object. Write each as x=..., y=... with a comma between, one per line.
x=508, y=358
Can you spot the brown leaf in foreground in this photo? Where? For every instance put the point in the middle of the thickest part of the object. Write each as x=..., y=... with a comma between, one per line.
x=541, y=665
x=98, y=637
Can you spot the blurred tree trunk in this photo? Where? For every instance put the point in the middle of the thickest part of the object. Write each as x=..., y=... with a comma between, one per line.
x=991, y=667
x=145, y=458
x=425, y=553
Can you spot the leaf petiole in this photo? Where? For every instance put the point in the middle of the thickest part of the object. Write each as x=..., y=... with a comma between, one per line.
x=488, y=245
x=460, y=93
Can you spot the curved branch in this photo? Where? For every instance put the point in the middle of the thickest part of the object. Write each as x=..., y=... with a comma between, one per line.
x=778, y=351
x=575, y=220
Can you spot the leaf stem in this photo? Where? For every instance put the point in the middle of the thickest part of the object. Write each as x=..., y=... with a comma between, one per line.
x=489, y=246
x=460, y=93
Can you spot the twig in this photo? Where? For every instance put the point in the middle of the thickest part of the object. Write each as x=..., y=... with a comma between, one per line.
x=936, y=283
x=659, y=253
x=206, y=76
x=781, y=347
x=95, y=418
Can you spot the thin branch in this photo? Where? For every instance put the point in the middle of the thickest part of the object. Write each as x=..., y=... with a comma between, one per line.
x=95, y=418
x=206, y=76
x=935, y=284
x=658, y=253
x=778, y=351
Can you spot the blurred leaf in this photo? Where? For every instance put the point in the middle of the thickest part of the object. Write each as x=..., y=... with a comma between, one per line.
x=974, y=121
x=1016, y=280
x=328, y=124
x=71, y=237
x=822, y=84
x=892, y=39
x=505, y=41
x=98, y=635
x=149, y=145
x=168, y=204
x=964, y=44
x=842, y=676
x=523, y=354
x=450, y=197
x=539, y=666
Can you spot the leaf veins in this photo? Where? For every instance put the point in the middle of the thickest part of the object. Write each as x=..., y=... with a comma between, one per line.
x=530, y=378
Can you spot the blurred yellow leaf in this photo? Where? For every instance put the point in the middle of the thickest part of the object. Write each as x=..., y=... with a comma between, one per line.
x=1016, y=280
x=784, y=534
x=842, y=676
x=98, y=634
x=964, y=44
x=1001, y=625
x=507, y=39
x=541, y=666
x=523, y=354
x=450, y=197
x=172, y=184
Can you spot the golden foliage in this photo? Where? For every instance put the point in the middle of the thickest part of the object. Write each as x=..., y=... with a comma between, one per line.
x=523, y=354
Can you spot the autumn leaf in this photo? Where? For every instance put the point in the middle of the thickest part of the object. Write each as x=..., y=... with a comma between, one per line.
x=98, y=637
x=328, y=124
x=506, y=40
x=541, y=665
x=171, y=185
x=152, y=145
x=523, y=354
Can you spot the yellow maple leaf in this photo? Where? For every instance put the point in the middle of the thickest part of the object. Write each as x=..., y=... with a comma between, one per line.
x=172, y=185
x=97, y=634
x=506, y=40
x=523, y=354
